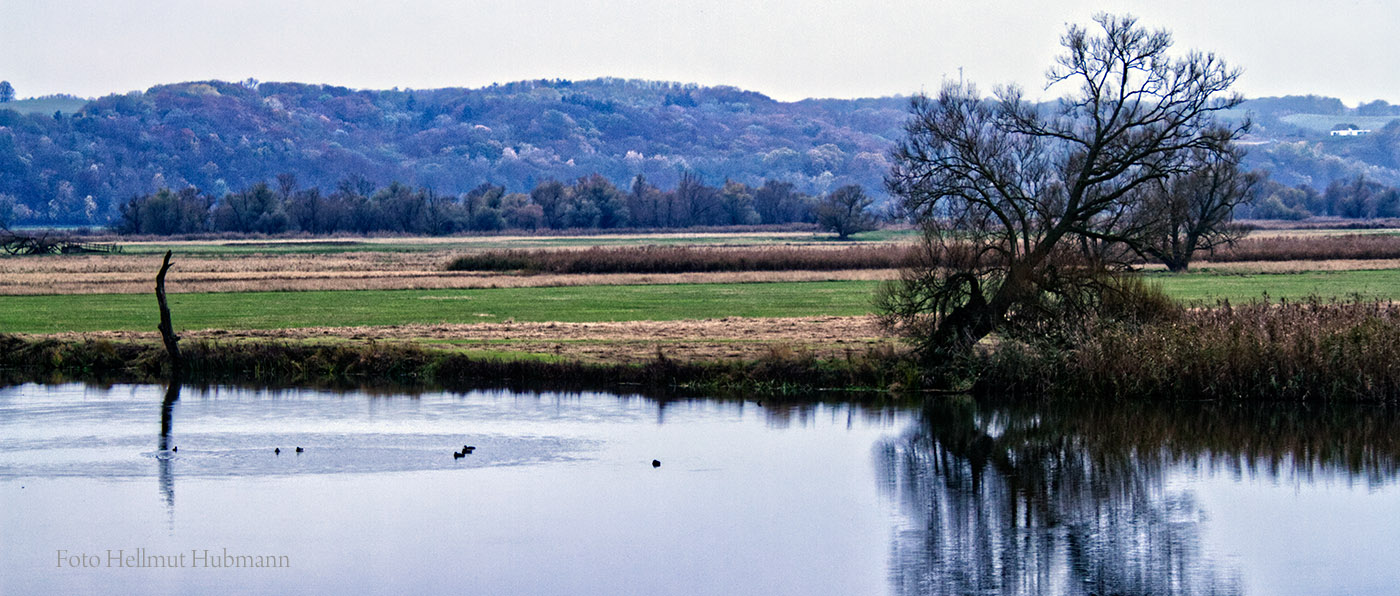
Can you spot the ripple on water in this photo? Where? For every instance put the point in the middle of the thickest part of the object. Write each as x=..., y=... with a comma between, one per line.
x=217, y=455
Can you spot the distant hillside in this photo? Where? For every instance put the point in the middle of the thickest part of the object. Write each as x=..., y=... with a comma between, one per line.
x=77, y=166
x=223, y=136
x=66, y=104
x=1291, y=140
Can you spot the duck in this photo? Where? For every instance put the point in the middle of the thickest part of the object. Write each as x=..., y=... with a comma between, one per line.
x=467, y=449
x=457, y=455
x=655, y=463
x=277, y=451
x=299, y=449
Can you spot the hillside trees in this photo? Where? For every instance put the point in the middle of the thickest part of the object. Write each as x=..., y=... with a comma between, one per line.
x=219, y=136
x=215, y=135
x=9, y=210
x=1022, y=207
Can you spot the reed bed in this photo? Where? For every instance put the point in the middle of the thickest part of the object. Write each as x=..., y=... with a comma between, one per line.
x=687, y=259
x=677, y=259
x=1299, y=352
x=1310, y=248
x=1287, y=350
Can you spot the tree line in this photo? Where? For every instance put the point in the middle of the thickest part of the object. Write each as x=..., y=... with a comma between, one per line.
x=1357, y=197
x=590, y=202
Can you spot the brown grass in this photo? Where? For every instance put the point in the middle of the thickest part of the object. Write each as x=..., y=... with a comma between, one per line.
x=1280, y=351
x=1311, y=247
x=691, y=340
x=359, y=271
x=1293, y=266
x=687, y=259
x=1320, y=250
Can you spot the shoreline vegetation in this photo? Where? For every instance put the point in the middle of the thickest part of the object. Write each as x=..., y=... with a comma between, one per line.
x=754, y=314
x=1293, y=351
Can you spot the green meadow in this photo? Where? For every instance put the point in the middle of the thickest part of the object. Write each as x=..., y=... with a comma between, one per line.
x=45, y=105
x=272, y=310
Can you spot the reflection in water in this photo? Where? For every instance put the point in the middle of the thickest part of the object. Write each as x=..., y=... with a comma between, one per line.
x=163, y=454
x=1081, y=500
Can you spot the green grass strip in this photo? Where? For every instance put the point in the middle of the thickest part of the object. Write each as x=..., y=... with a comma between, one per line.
x=1209, y=287
x=273, y=310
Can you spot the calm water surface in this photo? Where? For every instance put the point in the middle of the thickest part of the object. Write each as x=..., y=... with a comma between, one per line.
x=560, y=496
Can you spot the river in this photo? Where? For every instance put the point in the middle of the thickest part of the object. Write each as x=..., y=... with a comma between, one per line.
x=129, y=489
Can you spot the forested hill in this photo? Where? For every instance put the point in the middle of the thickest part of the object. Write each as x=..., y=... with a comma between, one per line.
x=226, y=136
x=75, y=166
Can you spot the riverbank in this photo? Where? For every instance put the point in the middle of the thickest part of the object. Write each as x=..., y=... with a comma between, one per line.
x=1308, y=351
x=375, y=363
x=377, y=312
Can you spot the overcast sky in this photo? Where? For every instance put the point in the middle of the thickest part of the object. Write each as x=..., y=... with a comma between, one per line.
x=788, y=49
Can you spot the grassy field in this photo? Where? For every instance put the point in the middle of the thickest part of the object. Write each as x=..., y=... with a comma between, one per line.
x=1326, y=122
x=45, y=105
x=272, y=310
x=1207, y=287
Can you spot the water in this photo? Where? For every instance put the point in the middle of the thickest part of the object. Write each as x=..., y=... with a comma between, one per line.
x=560, y=496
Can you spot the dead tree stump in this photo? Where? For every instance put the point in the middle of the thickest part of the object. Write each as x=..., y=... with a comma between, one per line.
x=167, y=331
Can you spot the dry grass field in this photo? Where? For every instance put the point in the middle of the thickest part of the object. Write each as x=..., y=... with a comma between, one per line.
x=732, y=338
x=379, y=264
x=1295, y=257
x=421, y=263
x=134, y=274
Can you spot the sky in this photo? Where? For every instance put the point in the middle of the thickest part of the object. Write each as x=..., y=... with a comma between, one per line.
x=787, y=49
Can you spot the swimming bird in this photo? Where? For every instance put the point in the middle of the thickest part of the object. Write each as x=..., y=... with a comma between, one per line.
x=468, y=449
x=277, y=451
x=457, y=455
x=655, y=463
x=299, y=449
x=174, y=449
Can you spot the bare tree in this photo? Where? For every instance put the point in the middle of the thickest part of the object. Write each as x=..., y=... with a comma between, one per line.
x=1194, y=211
x=1021, y=203
x=846, y=211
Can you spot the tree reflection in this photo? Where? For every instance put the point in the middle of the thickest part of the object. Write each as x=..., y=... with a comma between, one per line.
x=167, y=414
x=1078, y=500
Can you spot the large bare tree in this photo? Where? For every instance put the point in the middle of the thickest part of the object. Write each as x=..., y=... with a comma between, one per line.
x=1021, y=201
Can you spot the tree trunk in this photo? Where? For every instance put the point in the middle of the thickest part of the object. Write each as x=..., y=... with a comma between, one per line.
x=967, y=324
x=167, y=331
